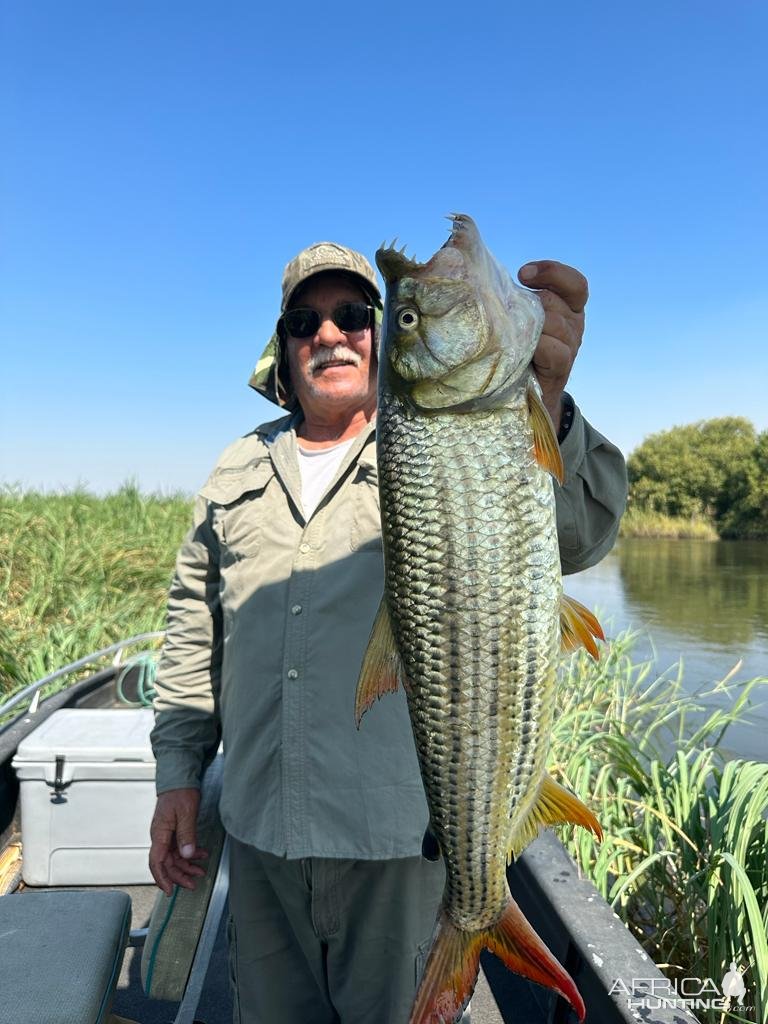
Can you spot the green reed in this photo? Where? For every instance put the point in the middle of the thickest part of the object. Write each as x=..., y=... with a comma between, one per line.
x=78, y=572
x=683, y=861
x=640, y=523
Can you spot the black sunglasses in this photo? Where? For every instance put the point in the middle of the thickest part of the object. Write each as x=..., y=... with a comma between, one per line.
x=349, y=317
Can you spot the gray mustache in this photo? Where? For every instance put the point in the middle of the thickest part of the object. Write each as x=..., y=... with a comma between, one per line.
x=332, y=355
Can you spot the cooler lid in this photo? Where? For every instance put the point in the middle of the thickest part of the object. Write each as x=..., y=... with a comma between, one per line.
x=90, y=734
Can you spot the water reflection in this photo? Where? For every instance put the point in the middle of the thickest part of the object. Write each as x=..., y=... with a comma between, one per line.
x=717, y=592
x=703, y=603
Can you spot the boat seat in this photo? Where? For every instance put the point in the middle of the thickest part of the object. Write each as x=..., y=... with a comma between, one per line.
x=61, y=950
x=60, y=955
x=183, y=926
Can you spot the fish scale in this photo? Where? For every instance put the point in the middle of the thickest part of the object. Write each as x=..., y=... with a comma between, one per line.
x=469, y=553
x=472, y=609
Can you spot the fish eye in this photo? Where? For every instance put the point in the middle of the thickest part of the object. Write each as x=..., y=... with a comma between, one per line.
x=408, y=318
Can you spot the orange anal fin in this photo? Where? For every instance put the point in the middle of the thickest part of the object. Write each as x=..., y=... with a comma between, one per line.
x=579, y=627
x=452, y=966
x=545, y=446
x=554, y=805
x=381, y=669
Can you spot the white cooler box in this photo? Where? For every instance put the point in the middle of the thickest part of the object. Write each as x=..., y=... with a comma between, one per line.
x=87, y=798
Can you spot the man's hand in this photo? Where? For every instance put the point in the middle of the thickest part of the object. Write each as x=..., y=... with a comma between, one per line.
x=174, y=840
x=563, y=292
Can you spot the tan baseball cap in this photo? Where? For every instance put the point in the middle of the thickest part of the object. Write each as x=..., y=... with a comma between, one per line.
x=270, y=377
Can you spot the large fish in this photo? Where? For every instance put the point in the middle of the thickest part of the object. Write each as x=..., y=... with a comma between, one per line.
x=473, y=616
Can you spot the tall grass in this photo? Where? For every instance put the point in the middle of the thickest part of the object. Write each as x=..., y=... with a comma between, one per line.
x=684, y=859
x=79, y=572
x=640, y=523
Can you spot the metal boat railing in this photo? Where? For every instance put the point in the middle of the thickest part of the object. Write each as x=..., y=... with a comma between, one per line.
x=34, y=689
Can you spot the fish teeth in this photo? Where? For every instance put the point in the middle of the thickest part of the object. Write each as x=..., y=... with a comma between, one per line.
x=392, y=247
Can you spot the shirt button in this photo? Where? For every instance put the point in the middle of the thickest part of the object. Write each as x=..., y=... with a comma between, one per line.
x=304, y=548
x=292, y=673
x=296, y=609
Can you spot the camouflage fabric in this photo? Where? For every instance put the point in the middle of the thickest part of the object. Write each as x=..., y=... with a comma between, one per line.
x=269, y=377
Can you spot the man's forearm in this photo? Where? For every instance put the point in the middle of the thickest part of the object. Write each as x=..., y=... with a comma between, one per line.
x=591, y=500
x=187, y=727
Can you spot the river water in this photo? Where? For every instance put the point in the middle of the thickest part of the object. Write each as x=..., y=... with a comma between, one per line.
x=704, y=602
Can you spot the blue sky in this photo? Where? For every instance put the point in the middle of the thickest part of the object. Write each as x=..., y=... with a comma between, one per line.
x=162, y=161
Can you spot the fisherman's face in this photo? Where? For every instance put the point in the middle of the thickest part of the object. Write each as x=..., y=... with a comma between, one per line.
x=331, y=370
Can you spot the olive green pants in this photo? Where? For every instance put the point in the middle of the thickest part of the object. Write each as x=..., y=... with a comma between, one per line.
x=328, y=941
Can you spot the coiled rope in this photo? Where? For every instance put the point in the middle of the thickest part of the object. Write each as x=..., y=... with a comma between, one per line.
x=145, y=667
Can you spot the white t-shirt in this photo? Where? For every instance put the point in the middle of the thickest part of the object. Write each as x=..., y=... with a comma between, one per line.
x=318, y=467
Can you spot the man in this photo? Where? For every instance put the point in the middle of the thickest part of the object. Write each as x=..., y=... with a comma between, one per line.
x=276, y=589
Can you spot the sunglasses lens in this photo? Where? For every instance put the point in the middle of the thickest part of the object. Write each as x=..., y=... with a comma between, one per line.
x=348, y=317
x=351, y=316
x=301, y=323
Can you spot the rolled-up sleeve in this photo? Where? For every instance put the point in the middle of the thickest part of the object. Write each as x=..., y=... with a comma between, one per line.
x=591, y=500
x=187, y=726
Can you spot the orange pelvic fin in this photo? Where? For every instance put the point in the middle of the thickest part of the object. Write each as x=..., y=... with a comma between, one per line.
x=381, y=669
x=578, y=627
x=454, y=961
x=554, y=805
x=545, y=446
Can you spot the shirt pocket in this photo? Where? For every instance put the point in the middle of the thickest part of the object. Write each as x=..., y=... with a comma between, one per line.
x=236, y=500
x=365, y=534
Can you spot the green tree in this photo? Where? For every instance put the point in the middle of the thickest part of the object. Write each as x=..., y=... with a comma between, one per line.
x=744, y=501
x=691, y=470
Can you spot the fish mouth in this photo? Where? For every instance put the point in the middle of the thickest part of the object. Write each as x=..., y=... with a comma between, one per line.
x=393, y=263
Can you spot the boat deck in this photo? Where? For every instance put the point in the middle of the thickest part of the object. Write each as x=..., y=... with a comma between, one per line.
x=526, y=1004
x=563, y=907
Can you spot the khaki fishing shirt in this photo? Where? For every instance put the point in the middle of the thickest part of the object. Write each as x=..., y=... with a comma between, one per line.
x=268, y=621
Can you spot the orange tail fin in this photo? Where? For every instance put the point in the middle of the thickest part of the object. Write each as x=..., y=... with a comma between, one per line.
x=454, y=961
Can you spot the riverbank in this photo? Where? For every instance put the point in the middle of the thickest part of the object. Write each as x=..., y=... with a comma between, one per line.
x=638, y=523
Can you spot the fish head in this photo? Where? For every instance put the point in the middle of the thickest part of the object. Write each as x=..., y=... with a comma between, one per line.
x=458, y=331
